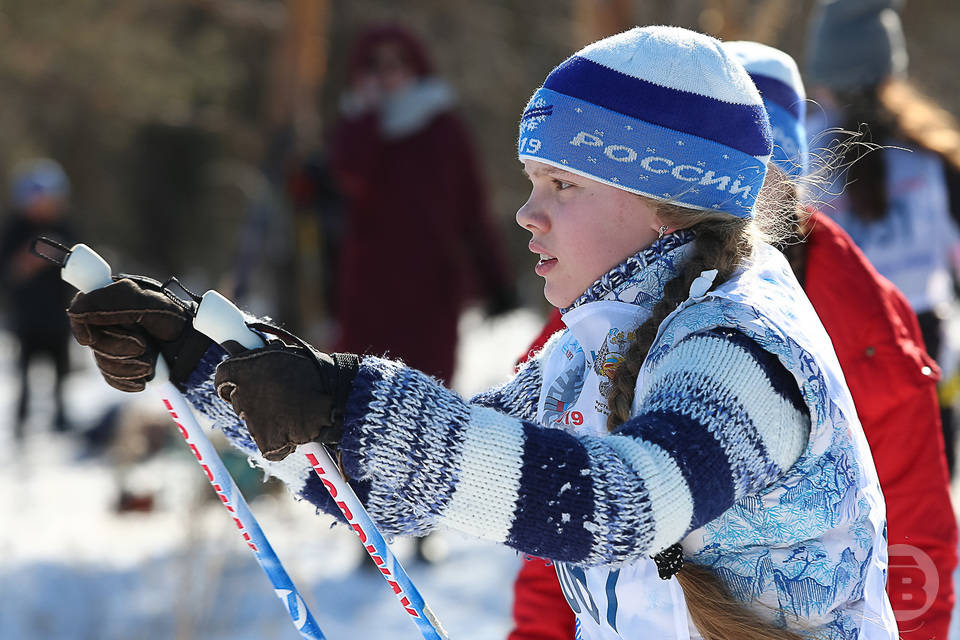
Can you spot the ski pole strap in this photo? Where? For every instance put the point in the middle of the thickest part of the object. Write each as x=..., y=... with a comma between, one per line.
x=50, y=250
x=347, y=363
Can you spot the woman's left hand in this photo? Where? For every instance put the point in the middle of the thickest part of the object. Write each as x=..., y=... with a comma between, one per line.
x=287, y=396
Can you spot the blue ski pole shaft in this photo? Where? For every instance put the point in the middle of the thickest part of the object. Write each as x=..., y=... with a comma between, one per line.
x=86, y=271
x=229, y=494
x=219, y=319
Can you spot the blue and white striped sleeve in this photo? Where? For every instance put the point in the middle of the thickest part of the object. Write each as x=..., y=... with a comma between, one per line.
x=517, y=397
x=700, y=440
x=510, y=398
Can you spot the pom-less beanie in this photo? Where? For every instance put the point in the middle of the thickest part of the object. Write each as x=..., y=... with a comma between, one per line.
x=38, y=177
x=659, y=111
x=855, y=43
x=777, y=78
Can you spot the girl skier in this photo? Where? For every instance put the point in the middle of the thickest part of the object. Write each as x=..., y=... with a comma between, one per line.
x=891, y=378
x=693, y=411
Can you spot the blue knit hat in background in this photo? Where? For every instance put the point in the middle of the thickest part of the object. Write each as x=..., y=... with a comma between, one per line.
x=663, y=112
x=38, y=177
x=855, y=43
x=777, y=77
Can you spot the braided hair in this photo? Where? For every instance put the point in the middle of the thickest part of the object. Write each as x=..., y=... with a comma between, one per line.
x=724, y=243
x=720, y=244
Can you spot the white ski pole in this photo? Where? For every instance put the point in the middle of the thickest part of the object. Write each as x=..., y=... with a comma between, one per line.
x=86, y=270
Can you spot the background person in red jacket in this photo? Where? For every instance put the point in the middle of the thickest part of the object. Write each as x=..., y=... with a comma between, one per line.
x=418, y=240
x=899, y=203
x=891, y=377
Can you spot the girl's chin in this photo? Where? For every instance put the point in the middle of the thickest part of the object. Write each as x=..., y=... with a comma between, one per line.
x=556, y=297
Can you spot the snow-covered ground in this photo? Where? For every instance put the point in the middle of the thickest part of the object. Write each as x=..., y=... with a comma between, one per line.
x=73, y=568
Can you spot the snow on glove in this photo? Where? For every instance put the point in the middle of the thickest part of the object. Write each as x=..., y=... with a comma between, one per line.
x=288, y=396
x=128, y=323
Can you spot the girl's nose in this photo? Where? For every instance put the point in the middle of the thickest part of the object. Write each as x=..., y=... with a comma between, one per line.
x=532, y=217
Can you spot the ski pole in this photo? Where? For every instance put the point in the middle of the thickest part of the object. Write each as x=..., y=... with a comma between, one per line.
x=86, y=270
x=219, y=319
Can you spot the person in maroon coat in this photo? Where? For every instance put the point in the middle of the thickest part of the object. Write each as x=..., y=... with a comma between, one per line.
x=418, y=241
x=893, y=383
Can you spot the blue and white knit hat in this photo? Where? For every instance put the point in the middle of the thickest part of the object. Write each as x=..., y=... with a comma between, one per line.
x=660, y=111
x=38, y=177
x=777, y=77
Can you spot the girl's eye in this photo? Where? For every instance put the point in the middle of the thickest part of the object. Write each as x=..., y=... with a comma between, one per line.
x=560, y=184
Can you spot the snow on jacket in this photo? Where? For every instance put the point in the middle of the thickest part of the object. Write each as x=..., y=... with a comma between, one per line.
x=873, y=330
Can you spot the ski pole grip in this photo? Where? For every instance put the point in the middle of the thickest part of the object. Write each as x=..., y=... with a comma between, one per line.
x=220, y=320
x=85, y=269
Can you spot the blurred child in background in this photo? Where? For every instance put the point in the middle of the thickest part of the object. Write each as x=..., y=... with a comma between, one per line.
x=35, y=294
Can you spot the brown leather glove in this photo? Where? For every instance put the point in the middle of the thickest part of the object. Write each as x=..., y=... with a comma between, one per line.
x=288, y=396
x=128, y=323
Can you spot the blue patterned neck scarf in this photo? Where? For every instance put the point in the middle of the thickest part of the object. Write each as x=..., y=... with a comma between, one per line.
x=640, y=278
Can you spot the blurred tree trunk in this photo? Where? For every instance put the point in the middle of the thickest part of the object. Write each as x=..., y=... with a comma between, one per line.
x=595, y=19
x=745, y=20
x=299, y=70
x=761, y=21
x=293, y=116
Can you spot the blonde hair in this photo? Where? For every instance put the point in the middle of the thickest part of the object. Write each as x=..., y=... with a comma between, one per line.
x=722, y=242
x=892, y=110
x=921, y=121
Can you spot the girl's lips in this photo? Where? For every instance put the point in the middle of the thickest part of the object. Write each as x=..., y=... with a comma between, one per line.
x=545, y=266
x=547, y=261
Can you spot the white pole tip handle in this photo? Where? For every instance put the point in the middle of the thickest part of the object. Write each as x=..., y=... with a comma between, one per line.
x=219, y=319
x=85, y=269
